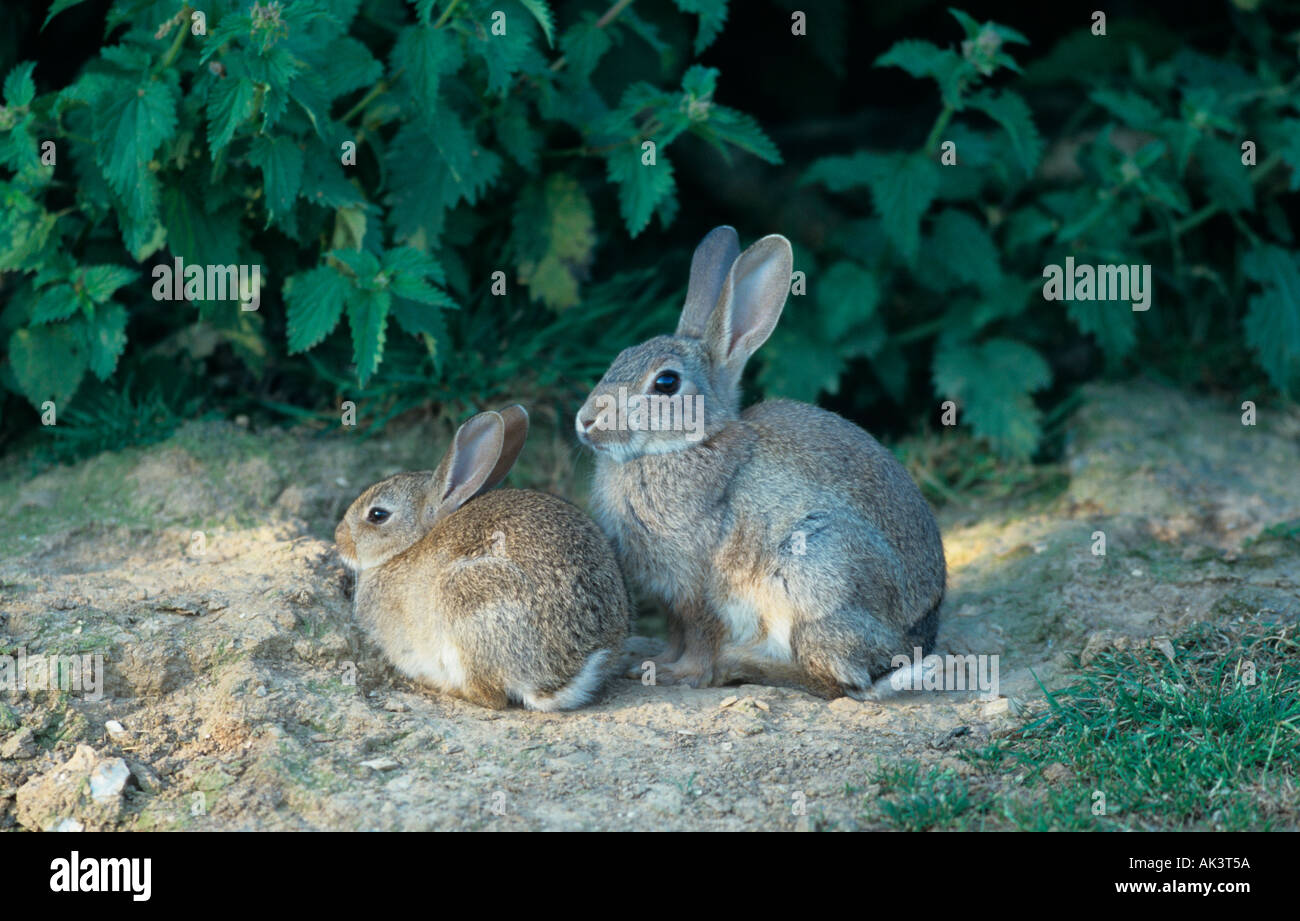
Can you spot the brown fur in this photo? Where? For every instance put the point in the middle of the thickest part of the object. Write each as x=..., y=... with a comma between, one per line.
x=505, y=595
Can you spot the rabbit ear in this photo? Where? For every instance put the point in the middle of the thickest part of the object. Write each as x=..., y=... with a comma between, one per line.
x=515, y=418
x=469, y=462
x=709, y=267
x=752, y=298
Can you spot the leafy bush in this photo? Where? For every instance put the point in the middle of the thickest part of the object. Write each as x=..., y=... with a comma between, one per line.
x=1159, y=153
x=353, y=164
x=428, y=186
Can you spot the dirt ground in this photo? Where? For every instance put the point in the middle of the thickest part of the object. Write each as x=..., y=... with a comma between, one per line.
x=239, y=694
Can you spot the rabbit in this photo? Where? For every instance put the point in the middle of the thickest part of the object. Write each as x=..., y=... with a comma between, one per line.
x=785, y=541
x=494, y=597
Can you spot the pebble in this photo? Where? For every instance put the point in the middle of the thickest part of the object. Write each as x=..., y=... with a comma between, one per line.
x=108, y=779
x=380, y=764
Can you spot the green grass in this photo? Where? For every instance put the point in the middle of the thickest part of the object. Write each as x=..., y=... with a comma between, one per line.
x=1184, y=744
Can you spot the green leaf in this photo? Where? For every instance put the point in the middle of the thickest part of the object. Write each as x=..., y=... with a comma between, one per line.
x=959, y=247
x=57, y=302
x=641, y=187
x=426, y=55
x=106, y=339
x=130, y=129
x=100, y=281
x=1290, y=149
x=902, y=187
x=712, y=13
x=925, y=59
x=799, y=366
x=1112, y=323
x=57, y=7
x=281, y=162
x=433, y=172
x=367, y=315
x=1272, y=323
x=231, y=102
x=1012, y=113
x=315, y=301
x=555, y=235
x=1227, y=179
x=847, y=296
x=584, y=44
x=1132, y=109
x=992, y=383
x=542, y=13
x=19, y=88
x=48, y=362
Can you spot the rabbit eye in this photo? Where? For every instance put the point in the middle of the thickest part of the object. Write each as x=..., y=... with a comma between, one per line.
x=668, y=383
x=377, y=515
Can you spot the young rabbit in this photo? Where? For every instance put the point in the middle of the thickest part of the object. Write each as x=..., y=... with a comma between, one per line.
x=786, y=541
x=512, y=595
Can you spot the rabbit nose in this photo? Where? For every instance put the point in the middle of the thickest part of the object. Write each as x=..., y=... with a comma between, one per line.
x=584, y=425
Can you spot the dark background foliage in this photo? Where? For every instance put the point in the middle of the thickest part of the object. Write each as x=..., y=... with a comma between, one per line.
x=923, y=282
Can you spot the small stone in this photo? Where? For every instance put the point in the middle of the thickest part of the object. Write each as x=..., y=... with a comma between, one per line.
x=1056, y=773
x=380, y=764
x=1164, y=646
x=114, y=728
x=20, y=745
x=395, y=706
x=66, y=824
x=761, y=704
x=261, y=690
x=108, y=779
x=999, y=706
x=728, y=701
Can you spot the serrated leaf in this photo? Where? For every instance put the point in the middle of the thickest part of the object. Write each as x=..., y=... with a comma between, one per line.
x=314, y=301
x=426, y=55
x=48, y=362
x=902, y=187
x=1227, y=179
x=847, y=295
x=281, y=162
x=367, y=316
x=992, y=382
x=129, y=130
x=1112, y=323
x=19, y=88
x=712, y=13
x=542, y=13
x=57, y=7
x=1012, y=113
x=641, y=187
x=584, y=44
x=1272, y=323
x=100, y=281
x=554, y=232
x=433, y=172
x=960, y=247
x=57, y=302
x=1129, y=107
x=799, y=366
x=925, y=59
x=231, y=102
x=105, y=336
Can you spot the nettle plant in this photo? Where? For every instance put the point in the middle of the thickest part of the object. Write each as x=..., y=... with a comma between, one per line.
x=365, y=162
x=965, y=227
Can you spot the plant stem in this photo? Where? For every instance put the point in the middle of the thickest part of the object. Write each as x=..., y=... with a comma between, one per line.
x=179, y=40
x=375, y=91
x=932, y=142
x=445, y=13
x=1199, y=217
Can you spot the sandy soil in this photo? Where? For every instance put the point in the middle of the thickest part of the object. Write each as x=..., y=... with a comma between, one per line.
x=239, y=694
